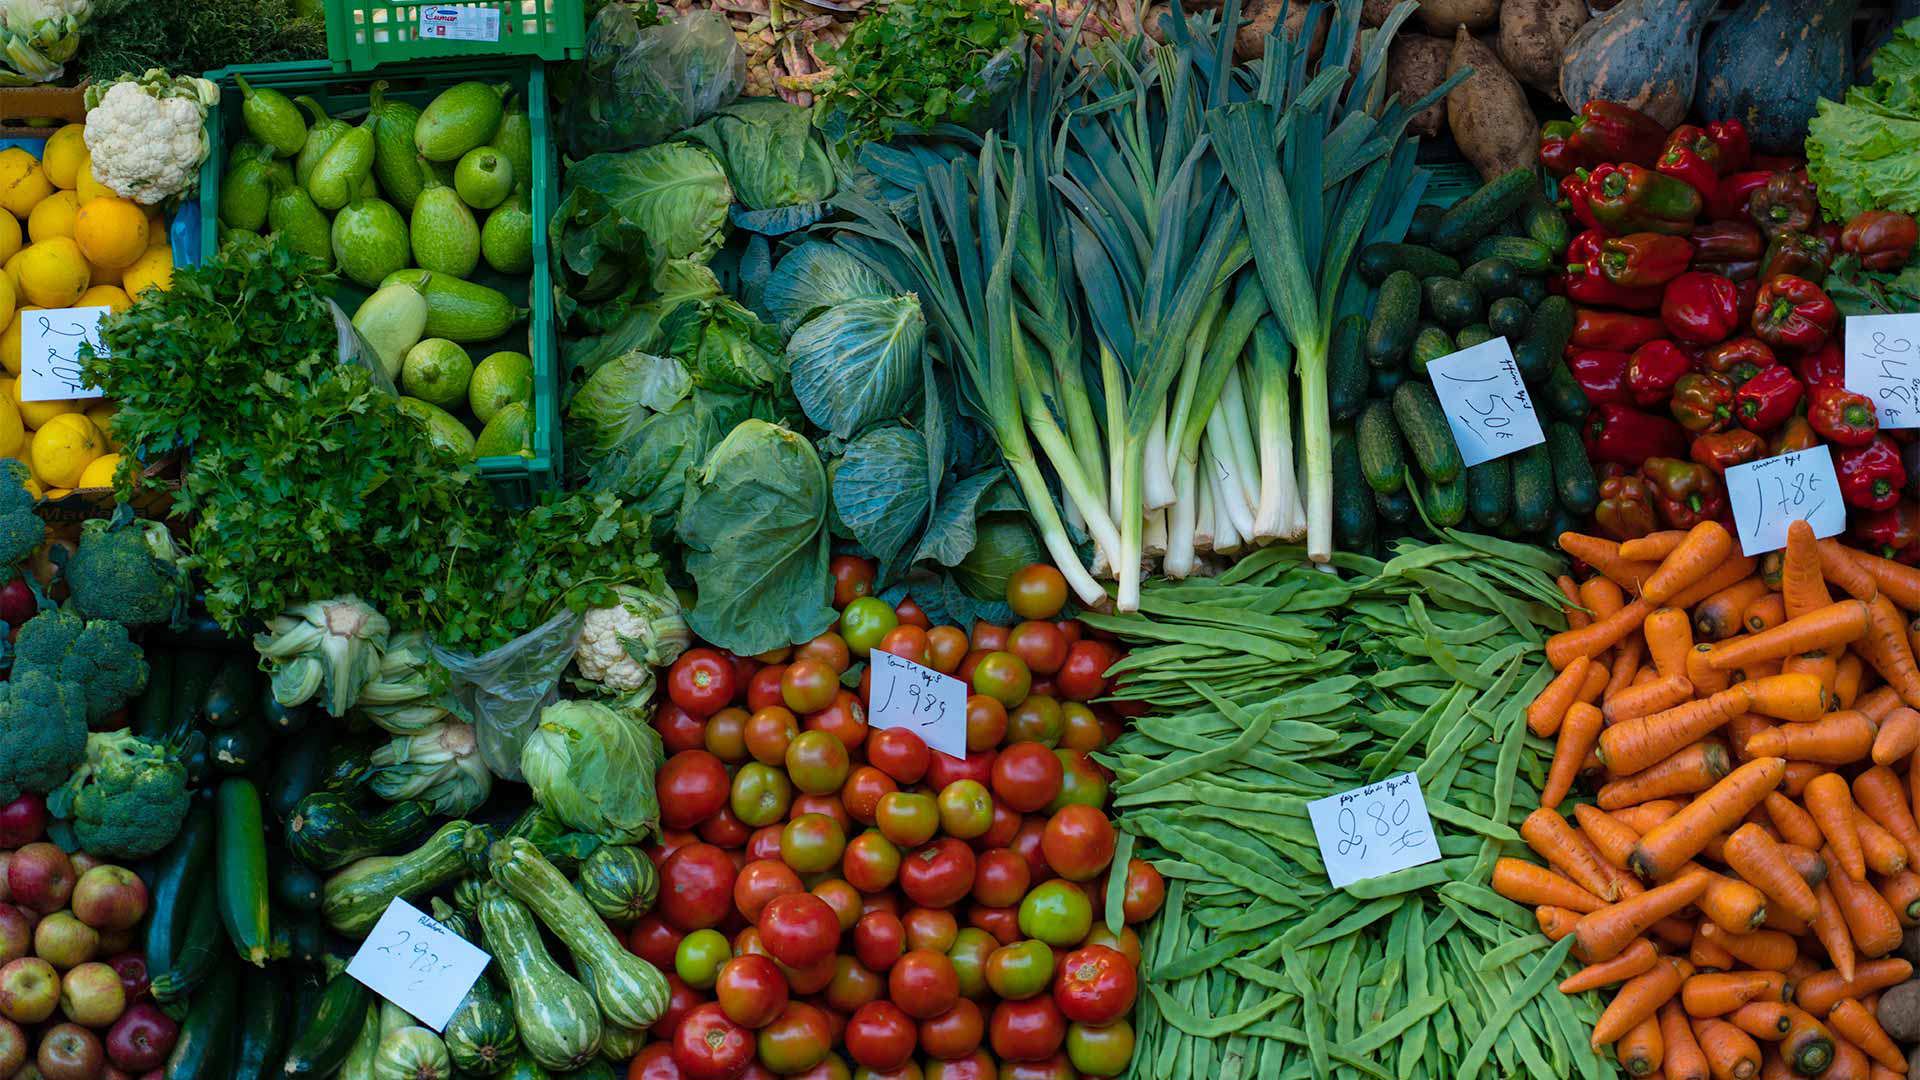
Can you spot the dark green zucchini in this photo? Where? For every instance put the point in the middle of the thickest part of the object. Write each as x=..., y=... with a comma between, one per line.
x=264, y=1019
x=283, y=719
x=329, y=1035
x=153, y=713
x=233, y=696
x=180, y=872
x=193, y=671
x=201, y=947
x=240, y=868
x=299, y=765
x=296, y=885
x=235, y=750
x=206, y=1042
x=328, y=830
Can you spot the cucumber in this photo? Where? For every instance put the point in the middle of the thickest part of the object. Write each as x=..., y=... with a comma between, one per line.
x=1378, y=260
x=1573, y=478
x=199, y=949
x=1531, y=289
x=1396, y=313
x=178, y=875
x=1383, y=460
x=263, y=1025
x=1561, y=395
x=1394, y=508
x=1444, y=501
x=1431, y=344
x=1546, y=341
x=460, y=310
x=323, y=1044
x=1526, y=256
x=204, y=1047
x=153, y=713
x=272, y=119
x=240, y=868
x=1509, y=317
x=1543, y=222
x=1346, y=369
x=1482, y=212
x=1533, y=503
x=1490, y=493
x=1385, y=381
x=1425, y=217
x=1469, y=336
x=233, y=697
x=1353, y=515
x=1422, y=423
x=1452, y=302
x=1494, y=278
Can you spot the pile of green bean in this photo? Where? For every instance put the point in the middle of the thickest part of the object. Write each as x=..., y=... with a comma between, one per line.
x=1276, y=684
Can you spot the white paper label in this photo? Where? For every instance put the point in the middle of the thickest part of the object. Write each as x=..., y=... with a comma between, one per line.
x=50, y=352
x=445, y=23
x=418, y=964
x=1883, y=363
x=1373, y=830
x=1772, y=493
x=1486, y=403
x=920, y=699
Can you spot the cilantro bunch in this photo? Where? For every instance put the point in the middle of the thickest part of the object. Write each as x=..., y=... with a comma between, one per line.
x=918, y=63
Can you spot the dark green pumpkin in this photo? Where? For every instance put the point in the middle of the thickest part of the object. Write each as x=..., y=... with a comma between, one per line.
x=481, y=1037
x=1770, y=61
x=620, y=882
x=328, y=830
x=1644, y=53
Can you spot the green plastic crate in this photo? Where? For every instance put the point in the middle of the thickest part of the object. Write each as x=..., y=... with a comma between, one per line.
x=516, y=481
x=362, y=34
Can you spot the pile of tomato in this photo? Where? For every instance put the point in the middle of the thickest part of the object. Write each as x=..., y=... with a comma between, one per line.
x=839, y=902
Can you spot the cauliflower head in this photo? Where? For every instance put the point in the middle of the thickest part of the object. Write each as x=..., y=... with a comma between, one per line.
x=130, y=573
x=147, y=134
x=127, y=799
x=622, y=643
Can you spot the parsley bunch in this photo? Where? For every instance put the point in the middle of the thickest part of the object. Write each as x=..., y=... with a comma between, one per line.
x=918, y=63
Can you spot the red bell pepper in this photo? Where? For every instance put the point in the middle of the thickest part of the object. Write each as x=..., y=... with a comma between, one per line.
x=1576, y=190
x=1841, y=416
x=1630, y=199
x=1893, y=533
x=1641, y=260
x=1627, y=436
x=1786, y=202
x=1739, y=359
x=1557, y=154
x=1791, y=251
x=1880, y=239
x=1736, y=190
x=1701, y=308
x=1793, y=313
x=1610, y=131
x=1653, y=370
x=1615, y=330
x=1871, y=476
x=1767, y=400
x=1795, y=434
x=1626, y=505
x=1684, y=492
x=1702, y=403
x=1726, y=449
x=1726, y=240
x=1824, y=366
x=1730, y=137
x=1692, y=158
x=1601, y=374
x=1587, y=281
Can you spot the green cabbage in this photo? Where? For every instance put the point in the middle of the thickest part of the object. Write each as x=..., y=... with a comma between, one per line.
x=593, y=769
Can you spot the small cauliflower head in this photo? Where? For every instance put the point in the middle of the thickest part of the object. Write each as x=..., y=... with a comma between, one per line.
x=622, y=643
x=148, y=134
x=39, y=36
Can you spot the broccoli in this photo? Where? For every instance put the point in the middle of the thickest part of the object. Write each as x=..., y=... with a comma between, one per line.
x=101, y=667
x=129, y=572
x=43, y=732
x=21, y=530
x=127, y=799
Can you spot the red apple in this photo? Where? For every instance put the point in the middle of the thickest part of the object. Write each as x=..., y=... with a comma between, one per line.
x=83, y=862
x=132, y=969
x=110, y=898
x=23, y=821
x=29, y=990
x=17, y=604
x=114, y=941
x=16, y=932
x=110, y=1072
x=91, y=995
x=141, y=1039
x=41, y=877
x=64, y=941
x=6, y=892
x=13, y=1047
x=71, y=1052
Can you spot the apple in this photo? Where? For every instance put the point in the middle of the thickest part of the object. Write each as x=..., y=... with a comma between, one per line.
x=41, y=877
x=71, y=1052
x=16, y=932
x=17, y=603
x=23, y=821
x=111, y=1072
x=114, y=941
x=13, y=1047
x=141, y=1039
x=6, y=893
x=64, y=941
x=132, y=969
x=29, y=990
x=110, y=898
x=83, y=862
x=91, y=995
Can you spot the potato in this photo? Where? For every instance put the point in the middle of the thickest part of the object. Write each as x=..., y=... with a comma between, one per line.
x=1899, y=1011
x=1416, y=64
x=1488, y=112
x=1443, y=17
x=1375, y=12
x=1534, y=34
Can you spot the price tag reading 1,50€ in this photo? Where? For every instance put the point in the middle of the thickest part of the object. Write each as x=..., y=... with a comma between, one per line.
x=1373, y=830
x=925, y=702
x=1486, y=403
x=1772, y=493
x=1883, y=363
x=50, y=352
x=418, y=964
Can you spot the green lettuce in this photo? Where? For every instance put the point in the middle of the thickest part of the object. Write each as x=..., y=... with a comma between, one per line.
x=776, y=161
x=623, y=217
x=1860, y=152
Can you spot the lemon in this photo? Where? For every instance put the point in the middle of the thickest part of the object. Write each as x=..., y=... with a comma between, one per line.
x=10, y=237
x=10, y=348
x=99, y=472
x=55, y=494
x=63, y=447
x=23, y=183
x=106, y=296
x=53, y=273
x=156, y=229
x=87, y=187
x=155, y=268
x=110, y=232
x=13, y=432
x=7, y=298
x=11, y=268
x=104, y=275
x=37, y=414
x=101, y=413
x=63, y=154
x=53, y=216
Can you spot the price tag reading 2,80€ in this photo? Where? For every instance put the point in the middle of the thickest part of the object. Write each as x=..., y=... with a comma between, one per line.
x=1883, y=364
x=1486, y=403
x=925, y=702
x=418, y=964
x=1373, y=830
x=1772, y=493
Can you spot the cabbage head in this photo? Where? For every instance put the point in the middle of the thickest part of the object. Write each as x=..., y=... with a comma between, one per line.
x=593, y=769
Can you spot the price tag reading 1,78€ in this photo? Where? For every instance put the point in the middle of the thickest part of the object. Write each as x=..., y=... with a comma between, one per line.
x=1373, y=830
x=1772, y=493
x=1883, y=363
x=931, y=705
x=418, y=964
x=1486, y=403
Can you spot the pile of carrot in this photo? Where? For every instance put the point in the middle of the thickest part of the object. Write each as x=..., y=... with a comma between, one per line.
x=1749, y=857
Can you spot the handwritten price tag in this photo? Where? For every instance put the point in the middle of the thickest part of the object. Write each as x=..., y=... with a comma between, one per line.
x=1772, y=493
x=418, y=964
x=1883, y=363
x=1373, y=830
x=50, y=352
x=1486, y=403
x=931, y=705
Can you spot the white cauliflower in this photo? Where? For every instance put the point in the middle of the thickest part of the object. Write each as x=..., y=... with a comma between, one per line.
x=40, y=36
x=621, y=644
x=148, y=134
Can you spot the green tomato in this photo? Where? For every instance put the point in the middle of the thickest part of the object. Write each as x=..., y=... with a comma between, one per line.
x=761, y=794
x=1003, y=677
x=1058, y=913
x=971, y=948
x=699, y=956
x=865, y=622
x=1081, y=782
x=1020, y=970
x=1100, y=1051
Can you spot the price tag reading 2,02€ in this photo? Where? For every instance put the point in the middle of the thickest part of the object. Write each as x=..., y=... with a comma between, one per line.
x=418, y=964
x=1486, y=403
x=920, y=699
x=1373, y=830
x=1772, y=493
x=1883, y=363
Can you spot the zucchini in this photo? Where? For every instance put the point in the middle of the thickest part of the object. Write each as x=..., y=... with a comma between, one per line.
x=620, y=882
x=1546, y=341
x=1508, y=317
x=264, y=1019
x=299, y=764
x=1378, y=260
x=1425, y=217
x=1526, y=256
x=193, y=675
x=198, y=950
x=240, y=868
x=1394, y=508
x=1543, y=222
x=179, y=872
x=353, y=900
x=1493, y=277
x=1469, y=336
x=1396, y=313
x=204, y=1047
x=523, y=1067
x=1346, y=369
x=1431, y=344
x=1417, y=410
x=1573, y=478
x=1482, y=212
x=305, y=935
x=328, y=829
x=359, y=1062
x=297, y=886
x=237, y=750
x=1561, y=395
x=1533, y=502
x=1532, y=289
x=153, y=713
x=1453, y=303
x=326, y=1040
x=1383, y=460
x=460, y=311
x=233, y=696
x=282, y=719
x=1445, y=501
x=1353, y=516
x=1385, y=381
x=1490, y=493
x=558, y=1021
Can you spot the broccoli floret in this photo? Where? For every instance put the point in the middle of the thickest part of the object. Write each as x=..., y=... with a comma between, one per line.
x=129, y=572
x=127, y=800
x=43, y=732
x=101, y=666
x=21, y=530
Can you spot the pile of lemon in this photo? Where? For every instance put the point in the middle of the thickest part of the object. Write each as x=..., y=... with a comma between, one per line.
x=66, y=241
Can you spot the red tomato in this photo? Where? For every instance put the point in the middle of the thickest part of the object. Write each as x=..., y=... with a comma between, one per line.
x=943, y=769
x=971, y=948
x=899, y=753
x=824, y=805
x=1082, y=780
x=1078, y=842
x=863, y=790
x=908, y=641
x=1036, y=719
x=1030, y=1030
x=880, y=1036
x=692, y=787
x=1072, y=629
x=871, y=862
x=938, y=874
x=843, y=898
x=768, y=732
x=1002, y=922
x=763, y=690
x=799, y=929
x=879, y=939
x=671, y=840
x=853, y=985
x=751, y=990
x=764, y=844
x=810, y=979
x=975, y=1066
x=681, y=1000
x=808, y=685
x=1096, y=986
x=1146, y=891
x=830, y=649
x=930, y=929
x=1028, y=842
x=831, y=1068
x=817, y=762
x=908, y=818
x=1006, y=822
x=852, y=579
x=726, y=735
x=654, y=1063
x=798, y=1040
x=988, y=637
x=812, y=843
x=696, y=887
x=954, y=1033
x=1027, y=776
x=910, y=613
x=759, y=882
x=1083, y=676
x=1003, y=677
x=968, y=663
x=1037, y=591
x=652, y=940
x=888, y=902
x=1053, y=1067
x=844, y=718
x=1080, y=727
x=709, y=1046
x=924, y=984
x=947, y=646
x=679, y=729
x=725, y=830
x=1000, y=878
x=702, y=681
x=986, y=723
x=1040, y=644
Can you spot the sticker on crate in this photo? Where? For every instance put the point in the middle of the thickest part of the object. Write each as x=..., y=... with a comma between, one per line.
x=1883, y=365
x=50, y=352
x=920, y=699
x=415, y=962
x=1772, y=493
x=1487, y=405
x=1373, y=830
x=446, y=23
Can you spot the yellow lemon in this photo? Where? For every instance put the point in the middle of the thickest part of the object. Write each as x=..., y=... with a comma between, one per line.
x=10, y=348
x=37, y=414
x=11, y=268
x=63, y=448
x=23, y=183
x=101, y=413
x=10, y=237
x=13, y=431
x=62, y=155
x=53, y=273
x=156, y=229
x=99, y=472
x=106, y=296
x=87, y=187
x=7, y=298
x=110, y=232
x=55, y=494
x=155, y=268
x=104, y=275
x=53, y=216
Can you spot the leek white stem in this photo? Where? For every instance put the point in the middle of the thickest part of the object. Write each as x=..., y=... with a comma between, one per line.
x=1155, y=544
x=1126, y=570
x=1246, y=464
x=1156, y=487
x=1226, y=538
x=1113, y=380
x=1080, y=492
x=1204, y=529
x=1228, y=489
x=1182, y=519
x=1271, y=358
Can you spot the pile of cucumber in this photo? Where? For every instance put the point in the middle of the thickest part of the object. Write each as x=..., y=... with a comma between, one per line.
x=1465, y=275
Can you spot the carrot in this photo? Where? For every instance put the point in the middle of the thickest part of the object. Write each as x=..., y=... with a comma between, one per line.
x=1733, y=905
x=1591, y=640
x=1882, y=851
x=1878, y=703
x=1848, y=676
x=1551, y=838
x=1641, y=1050
x=1870, y=919
x=1578, y=735
x=1817, y=993
x=1577, y=615
x=1877, y=1071
x=1851, y=1020
x=1902, y=893
x=1801, y=586
x=1839, y=567
x=1758, y=858
x=1707, y=955
x=1765, y=613
x=1706, y=546
x=1661, y=850
x=1881, y=797
x=1692, y=770
x=1805, y=1043
x=1889, y=651
x=1796, y=697
x=1623, y=882
x=1528, y=883
x=1731, y=1053
x=1722, y=992
x=1624, y=665
x=1644, y=817
x=1602, y=934
x=1760, y=669
x=1899, y=581
x=1632, y=745
x=1610, y=836
x=1633, y=960
x=1849, y=1063
x=1596, y=684
x=1684, y=1061
x=1838, y=738
x=1741, y=730
x=1555, y=922
x=1655, y=695
x=1764, y=950
x=1669, y=635
x=1806, y=862
x=1673, y=932
x=1706, y=679
x=1796, y=826
x=1830, y=926
x=1601, y=597
x=1898, y=737
x=1720, y=616
x=1646, y=675
x=1735, y=570
x=1549, y=707
x=1604, y=556
x=1830, y=804
x=1652, y=547
x=1639, y=998
x=1830, y=627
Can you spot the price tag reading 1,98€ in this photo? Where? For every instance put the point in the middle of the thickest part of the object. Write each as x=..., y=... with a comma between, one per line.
x=931, y=705
x=1772, y=493
x=1486, y=403
x=418, y=964
x=1373, y=830
x=1883, y=363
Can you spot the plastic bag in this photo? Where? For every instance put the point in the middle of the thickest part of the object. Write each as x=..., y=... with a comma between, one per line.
x=352, y=347
x=503, y=691
x=643, y=84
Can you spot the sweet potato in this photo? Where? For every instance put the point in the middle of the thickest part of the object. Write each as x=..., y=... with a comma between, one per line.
x=1443, y=17
x=1260, y=15
x=1534, y=34
x=1899, y=1011
x=1375, y=12
x=1415, y=65
x=1488, y=112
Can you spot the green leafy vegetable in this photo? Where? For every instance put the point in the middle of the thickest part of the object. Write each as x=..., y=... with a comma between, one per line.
x=813, y=277
x=624, y=216
x=593, y=769
x=880, y=492
x=775, y=160
x=917, y=63
x=858, y=363
x=1860, y=151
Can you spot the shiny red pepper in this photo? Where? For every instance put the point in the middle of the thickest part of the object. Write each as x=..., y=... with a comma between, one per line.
x=1615, y=330
x=1795, y=434
x=1791, y=251
x=1601, y=374
x=1880, y=239
x=1871, y=476
x=1701, y=308
x=1627, y=436
x=1684, y=492
x=1557, y=154
x=1576, y=188
x=1786, y=202
x=1630, y=199
x=1793, y=313
x=1641, y=260
x=1739, y=359
x=1691, y=157
x=1587, y=282
x=1824, y=366
x=1730, y=137
x=1893, y=533
x=1626, y=505
x=1767, y=400
x=1727, y=449
x=1841, y=416
x=1726, y=240
x=1736, y=189
x=1653, y=370
x=1610, y=131
x=1702, y=403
